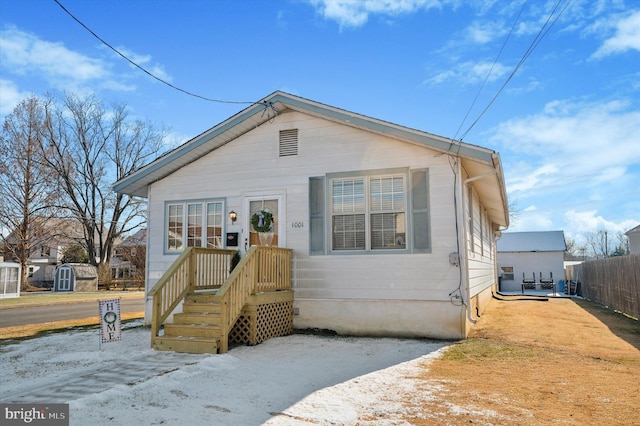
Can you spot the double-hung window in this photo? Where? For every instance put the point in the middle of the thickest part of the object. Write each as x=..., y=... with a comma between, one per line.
x=193, y=224
x=369, y=211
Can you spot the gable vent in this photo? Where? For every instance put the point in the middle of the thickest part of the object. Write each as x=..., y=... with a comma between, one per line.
x=288, y=142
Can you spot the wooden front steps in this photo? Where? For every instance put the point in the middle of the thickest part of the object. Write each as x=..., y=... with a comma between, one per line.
x=198, y=328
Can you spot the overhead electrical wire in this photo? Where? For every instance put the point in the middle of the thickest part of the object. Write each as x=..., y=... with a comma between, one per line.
x=495, y=61
x=453, y=157
x=141, y=68
x=544, y=30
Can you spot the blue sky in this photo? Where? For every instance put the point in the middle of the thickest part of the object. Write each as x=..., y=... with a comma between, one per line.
x=566, y=124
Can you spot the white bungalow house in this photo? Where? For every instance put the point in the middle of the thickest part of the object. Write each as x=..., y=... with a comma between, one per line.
x=533, y=256
x=392, y=230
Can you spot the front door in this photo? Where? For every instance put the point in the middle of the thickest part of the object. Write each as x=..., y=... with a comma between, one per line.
x=271, y=204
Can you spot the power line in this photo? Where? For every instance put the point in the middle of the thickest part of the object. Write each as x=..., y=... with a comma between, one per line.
x=141, y=67
x=495, y=61
x=544, y=30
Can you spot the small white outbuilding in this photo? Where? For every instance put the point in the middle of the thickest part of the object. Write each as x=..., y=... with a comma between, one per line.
x=9, y=279
x=532, y=256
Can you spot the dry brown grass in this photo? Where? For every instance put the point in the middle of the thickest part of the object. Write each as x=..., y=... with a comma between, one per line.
x=535, y=363
x=22, y=331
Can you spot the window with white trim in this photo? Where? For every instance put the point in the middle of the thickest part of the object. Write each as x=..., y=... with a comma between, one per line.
x=507, y=273
x=193, y=224
x=368, y=213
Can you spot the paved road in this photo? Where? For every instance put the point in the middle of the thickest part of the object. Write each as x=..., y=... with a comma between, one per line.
x=61, y=311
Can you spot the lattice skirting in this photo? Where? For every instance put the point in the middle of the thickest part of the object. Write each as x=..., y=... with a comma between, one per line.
x=262, y=322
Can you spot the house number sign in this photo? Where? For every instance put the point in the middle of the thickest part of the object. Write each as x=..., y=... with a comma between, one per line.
x=298, y=225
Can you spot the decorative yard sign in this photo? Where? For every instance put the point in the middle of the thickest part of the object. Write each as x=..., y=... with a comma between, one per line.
x=110, y=325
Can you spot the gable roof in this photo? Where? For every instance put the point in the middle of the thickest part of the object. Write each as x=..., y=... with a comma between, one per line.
x=633, y=231
x=532, y=241
x=477, y=161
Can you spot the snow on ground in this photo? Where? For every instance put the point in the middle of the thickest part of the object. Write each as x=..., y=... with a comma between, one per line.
x=292, y=380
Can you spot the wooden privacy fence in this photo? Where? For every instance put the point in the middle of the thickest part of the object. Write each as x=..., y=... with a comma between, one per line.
x=613, y=282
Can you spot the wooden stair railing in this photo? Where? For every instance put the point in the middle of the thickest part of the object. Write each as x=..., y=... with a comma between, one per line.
x=261, y=269
x=195, y=268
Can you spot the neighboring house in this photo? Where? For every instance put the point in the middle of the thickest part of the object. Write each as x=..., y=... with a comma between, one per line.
x=48, y=242
x=75, y=277
x=129, y=257
x=392, y=229
x=523, y=254
x=634, y=240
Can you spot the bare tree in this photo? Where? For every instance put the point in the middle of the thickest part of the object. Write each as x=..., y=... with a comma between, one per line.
x=572, y=248
x=27, y=191
x=622, y=248
x=514, y=211
x=599, y=243
x=91, y=148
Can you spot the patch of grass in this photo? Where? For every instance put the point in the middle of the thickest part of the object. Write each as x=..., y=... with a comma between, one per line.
x=45, y=298
x=474, y=349
x=32, y=330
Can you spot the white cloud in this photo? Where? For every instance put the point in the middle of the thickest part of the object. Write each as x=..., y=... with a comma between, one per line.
x=10, y=96
x=576, y=155
x=626, y=37
x=484, y=32
x=23, y=53
x=355, y=13
x=578, y=224
x=584, y=142
x=145, y=61
x=470, y=73
x=532, y=219
x=533, y=179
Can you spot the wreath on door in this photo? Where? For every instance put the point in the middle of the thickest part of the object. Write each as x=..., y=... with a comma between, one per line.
x=262, y=221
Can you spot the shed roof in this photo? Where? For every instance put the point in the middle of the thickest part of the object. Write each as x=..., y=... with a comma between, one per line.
x=532, y=241
x=477, y=161
x=82, y=270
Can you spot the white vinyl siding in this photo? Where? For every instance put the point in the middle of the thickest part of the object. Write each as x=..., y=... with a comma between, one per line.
x=250, y=165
